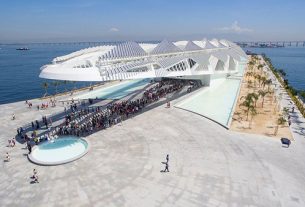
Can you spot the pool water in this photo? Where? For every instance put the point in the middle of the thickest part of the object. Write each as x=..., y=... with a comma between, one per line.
x=216, y=102
x=116, y=91
x=61, y=150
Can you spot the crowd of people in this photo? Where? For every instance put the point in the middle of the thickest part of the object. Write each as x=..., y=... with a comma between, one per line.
x=86, y=121
x=82, y=121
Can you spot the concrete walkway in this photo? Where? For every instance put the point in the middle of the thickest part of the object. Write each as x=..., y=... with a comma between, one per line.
x=297, y=126
x=209, y=165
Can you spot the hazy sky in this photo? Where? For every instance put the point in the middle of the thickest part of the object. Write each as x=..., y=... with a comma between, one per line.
x=110, y=20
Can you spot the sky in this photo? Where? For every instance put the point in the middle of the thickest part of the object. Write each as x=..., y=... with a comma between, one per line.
x=149, y=20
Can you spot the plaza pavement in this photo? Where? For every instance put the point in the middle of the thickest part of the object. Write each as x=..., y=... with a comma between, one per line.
x=209, y=165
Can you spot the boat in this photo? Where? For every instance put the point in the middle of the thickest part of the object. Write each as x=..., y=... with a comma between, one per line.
x=23, y=48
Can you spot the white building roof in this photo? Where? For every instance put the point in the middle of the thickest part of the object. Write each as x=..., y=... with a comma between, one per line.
x=125, y=50
x=165, y=47
x=191, y=46
x=132, y=60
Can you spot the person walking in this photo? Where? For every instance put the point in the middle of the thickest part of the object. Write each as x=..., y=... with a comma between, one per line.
x=167, y=158
x=166, y=167
x=13, y=142
x=34, y=172
x=166, y=164
x=168, y=104
x=29, y=148
x=35, y=176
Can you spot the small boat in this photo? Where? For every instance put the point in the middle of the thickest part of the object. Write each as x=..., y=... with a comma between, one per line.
x=23, y=48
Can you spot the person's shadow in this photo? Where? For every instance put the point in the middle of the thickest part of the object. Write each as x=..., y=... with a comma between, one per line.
x=163, y=171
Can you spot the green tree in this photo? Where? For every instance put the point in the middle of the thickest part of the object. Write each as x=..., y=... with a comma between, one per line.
x=247, y=104
x=251, y=64
x=74, y=85
x=249, y=83
x=259, y=78
x=255, y=97
x=281, y=121
x=282, y=72
x=268, y=83
x=56, y=84
x=65, y=82
x=259, y=67
x=263, y=93
x=45, y=85
x=263, y=81
x=253, y=112
x=286, y=112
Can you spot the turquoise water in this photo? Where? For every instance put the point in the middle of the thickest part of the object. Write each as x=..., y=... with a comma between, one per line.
x=215, y=102
x=116, y=91
x=59, y=150
x=61, y=143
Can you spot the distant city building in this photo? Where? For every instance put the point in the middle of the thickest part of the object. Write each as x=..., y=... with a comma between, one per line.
x=205, y=60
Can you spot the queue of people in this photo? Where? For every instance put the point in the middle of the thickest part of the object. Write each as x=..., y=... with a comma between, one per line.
x=81, y=122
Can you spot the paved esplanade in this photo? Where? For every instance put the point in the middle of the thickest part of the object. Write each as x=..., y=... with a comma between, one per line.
x=209, y=166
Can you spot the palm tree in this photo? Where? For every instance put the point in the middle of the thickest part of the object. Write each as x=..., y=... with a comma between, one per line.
x=65, y=82
x=253, y=113
x=260, y=66
x=263, y=80
x=282, y=72
x=281, y=121
x=255, y=97
x=249, y=83
x=268, y=83
x=259, y=78
x=249, y=74
x=251, y=63
x=56, y=84
x=285, y=112
x=247, y=104
x=74, y=85
x=263, y=93
x=45, y=85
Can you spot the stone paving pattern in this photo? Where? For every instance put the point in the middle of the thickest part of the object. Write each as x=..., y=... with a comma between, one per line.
x=209, y=165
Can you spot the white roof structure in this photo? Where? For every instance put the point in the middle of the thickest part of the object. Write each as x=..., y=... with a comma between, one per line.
x=191, y=46
x=131, y=60
x=165, y=47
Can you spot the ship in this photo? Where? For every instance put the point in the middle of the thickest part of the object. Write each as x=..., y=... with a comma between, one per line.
x=23, y=48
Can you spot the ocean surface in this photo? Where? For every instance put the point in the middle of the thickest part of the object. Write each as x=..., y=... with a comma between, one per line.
x=290, y=59
x=19, y=70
